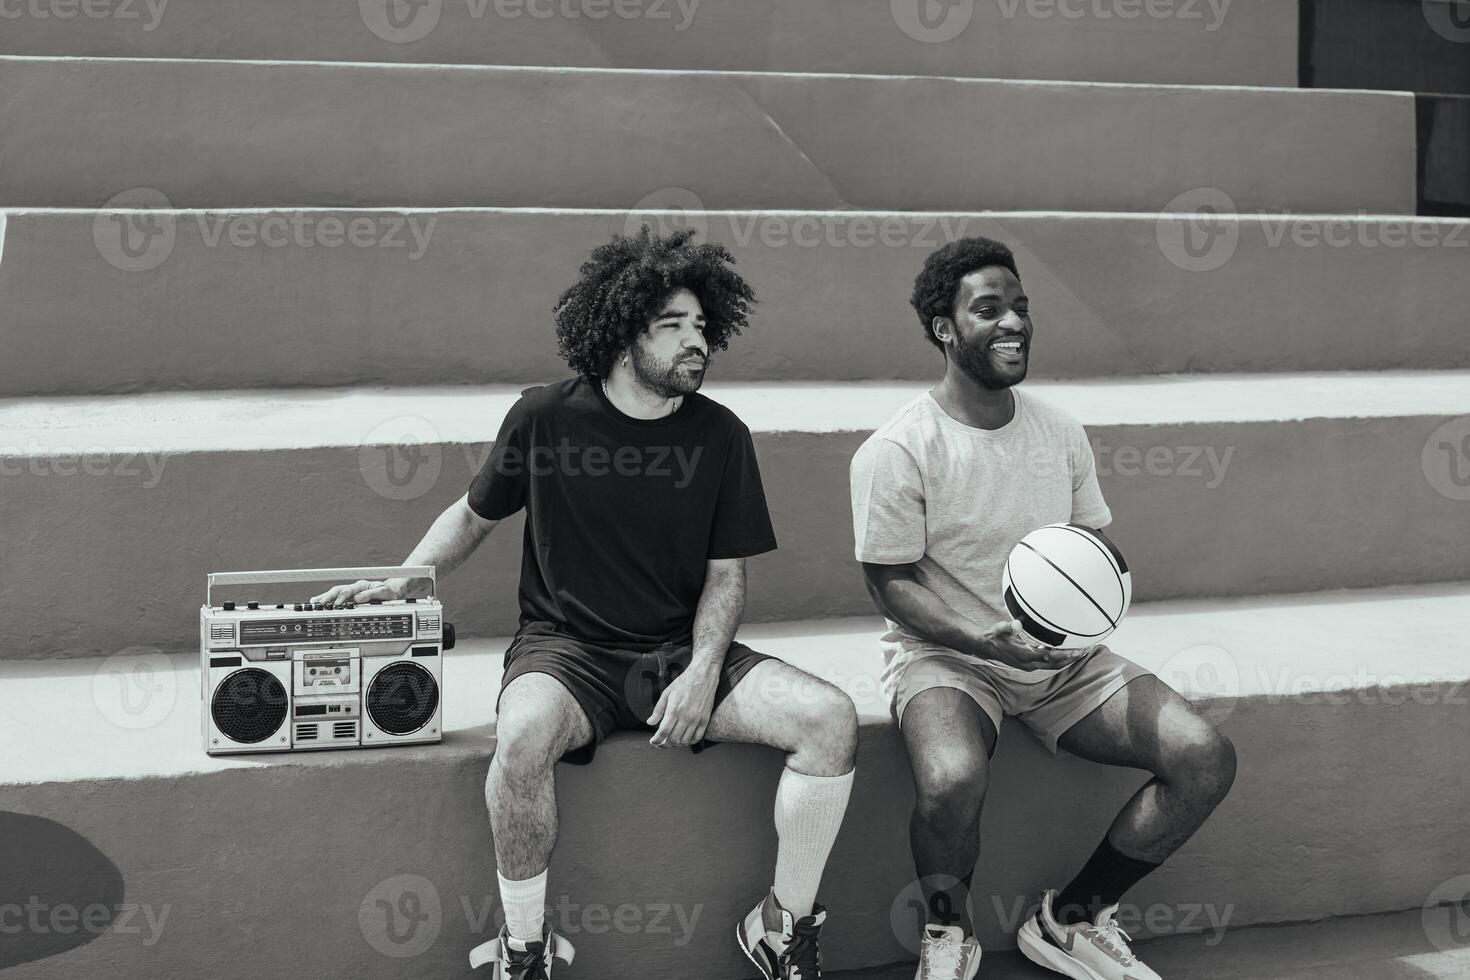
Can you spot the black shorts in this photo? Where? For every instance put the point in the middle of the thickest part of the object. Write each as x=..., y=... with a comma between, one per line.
x=618, y=688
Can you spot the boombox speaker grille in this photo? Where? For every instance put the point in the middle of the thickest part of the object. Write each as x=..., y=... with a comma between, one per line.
x=402, y=698
x=249, y=706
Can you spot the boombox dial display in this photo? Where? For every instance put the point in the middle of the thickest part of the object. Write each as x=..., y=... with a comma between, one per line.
x=327, y=629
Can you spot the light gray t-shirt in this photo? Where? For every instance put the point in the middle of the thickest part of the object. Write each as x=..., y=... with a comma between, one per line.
x=953, y=500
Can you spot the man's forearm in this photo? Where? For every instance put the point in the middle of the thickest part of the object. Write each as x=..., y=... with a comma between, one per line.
x=450, y=540
x=718, y=616
x=922, y=612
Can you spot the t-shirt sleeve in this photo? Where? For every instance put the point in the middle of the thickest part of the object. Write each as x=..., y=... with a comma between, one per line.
x=742, y=525
x=500, y=488
x=887, y=504
x=1088, y=506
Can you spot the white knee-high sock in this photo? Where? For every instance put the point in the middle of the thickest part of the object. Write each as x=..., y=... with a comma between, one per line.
x=525, y=906
x=809, y=812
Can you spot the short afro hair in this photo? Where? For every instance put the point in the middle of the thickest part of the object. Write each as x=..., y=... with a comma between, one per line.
x=624, y=282
x=938, y=285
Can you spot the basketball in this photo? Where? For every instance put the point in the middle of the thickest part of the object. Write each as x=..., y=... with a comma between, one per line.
x=1067, y=585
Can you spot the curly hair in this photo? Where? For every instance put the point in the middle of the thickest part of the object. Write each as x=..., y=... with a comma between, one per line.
x=938, y=284
x=624, y=282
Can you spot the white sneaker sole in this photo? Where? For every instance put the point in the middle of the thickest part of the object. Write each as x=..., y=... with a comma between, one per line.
x=1043, y=953
x=740, y=941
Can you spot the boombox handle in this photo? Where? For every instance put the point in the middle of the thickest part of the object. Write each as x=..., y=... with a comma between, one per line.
x=320, y=575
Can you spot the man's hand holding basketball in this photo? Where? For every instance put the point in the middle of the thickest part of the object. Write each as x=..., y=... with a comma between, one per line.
x=1007, y=644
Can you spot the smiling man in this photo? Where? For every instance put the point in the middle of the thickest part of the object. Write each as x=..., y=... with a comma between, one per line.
x=941, y=493
x=643, y=499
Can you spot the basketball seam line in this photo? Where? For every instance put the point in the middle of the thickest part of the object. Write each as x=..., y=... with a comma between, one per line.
x=1116, y=560
x=1074, y=582
x=1030, y=610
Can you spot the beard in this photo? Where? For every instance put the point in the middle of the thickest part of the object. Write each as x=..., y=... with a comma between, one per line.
x=976, y=363
x=666, y=379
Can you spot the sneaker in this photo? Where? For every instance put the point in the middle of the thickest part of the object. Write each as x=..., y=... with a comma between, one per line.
x=780, y=945
x=512, y=962
x=948, y=955
x=1085, y=951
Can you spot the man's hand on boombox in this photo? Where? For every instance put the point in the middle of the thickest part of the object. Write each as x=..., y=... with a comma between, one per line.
x=363, y=591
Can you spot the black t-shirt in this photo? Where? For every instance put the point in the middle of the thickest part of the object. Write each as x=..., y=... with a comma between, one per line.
x=622, y=513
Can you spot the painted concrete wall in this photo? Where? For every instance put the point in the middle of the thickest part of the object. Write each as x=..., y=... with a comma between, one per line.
x=244, y=299
x=1316, y=503
x=222, y=134
x=1250, y=42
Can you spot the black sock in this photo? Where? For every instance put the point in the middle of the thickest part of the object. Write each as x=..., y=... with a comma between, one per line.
x=1101, y=882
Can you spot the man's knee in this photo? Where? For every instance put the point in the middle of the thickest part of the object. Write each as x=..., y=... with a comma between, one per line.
x=1204, y=760
x=830, y=720
x=950, y=783
x=525, y=750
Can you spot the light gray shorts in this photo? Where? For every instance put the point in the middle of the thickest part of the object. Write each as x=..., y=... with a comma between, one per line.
x=1048, y=707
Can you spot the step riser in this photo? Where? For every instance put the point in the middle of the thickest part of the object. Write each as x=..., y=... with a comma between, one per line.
x=1249, y=42
x=228, y=134
x=1312, y=505
x=448, y=297
x=1283, y=847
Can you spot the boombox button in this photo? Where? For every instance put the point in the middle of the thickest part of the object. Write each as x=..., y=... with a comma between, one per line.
x=229, y=607
x=252, y=605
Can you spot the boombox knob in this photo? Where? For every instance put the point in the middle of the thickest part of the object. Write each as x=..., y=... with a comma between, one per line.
x=449, y=636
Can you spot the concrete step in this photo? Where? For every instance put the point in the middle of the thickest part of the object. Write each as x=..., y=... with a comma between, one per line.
x=1219, y=485
x=227, y=134
x=232, y=299
x=1343, y=805
x=1244, y=42
x=1376, y=947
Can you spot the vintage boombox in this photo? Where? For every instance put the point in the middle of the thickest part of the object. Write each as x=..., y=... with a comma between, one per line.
x=293, y=676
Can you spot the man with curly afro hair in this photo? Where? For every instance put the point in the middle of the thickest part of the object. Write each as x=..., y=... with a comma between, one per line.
x=643, y=499
x=941, y=494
